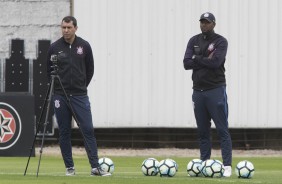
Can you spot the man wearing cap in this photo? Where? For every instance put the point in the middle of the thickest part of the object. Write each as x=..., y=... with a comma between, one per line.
x=205, y=56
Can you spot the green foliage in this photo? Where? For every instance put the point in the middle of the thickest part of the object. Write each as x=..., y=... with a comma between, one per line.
x=268, y=170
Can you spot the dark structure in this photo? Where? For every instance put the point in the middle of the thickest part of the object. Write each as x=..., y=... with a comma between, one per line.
x=17, y=69
x=16, y=105
x=17, y=124
x=40, y=85
x=137, y=138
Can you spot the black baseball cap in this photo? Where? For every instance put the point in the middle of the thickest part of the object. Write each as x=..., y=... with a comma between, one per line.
x=208, y=16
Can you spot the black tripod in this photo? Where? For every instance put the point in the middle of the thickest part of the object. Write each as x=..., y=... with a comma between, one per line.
x=46, y=106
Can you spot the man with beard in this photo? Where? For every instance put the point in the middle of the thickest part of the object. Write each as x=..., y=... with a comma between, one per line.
x=205, y=56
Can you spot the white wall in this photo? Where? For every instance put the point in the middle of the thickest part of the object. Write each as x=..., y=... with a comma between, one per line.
x=30, y=20
x=139, y=47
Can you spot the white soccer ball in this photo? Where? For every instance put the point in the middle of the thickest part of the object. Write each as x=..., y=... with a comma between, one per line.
x=176, y=165
x=194, y=167
x=106, y=164
x=245, y=169
x=150, y=167
x=212, y=168
x=167, y=168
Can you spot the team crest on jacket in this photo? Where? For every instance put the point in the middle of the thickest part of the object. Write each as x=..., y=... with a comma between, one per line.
x=10, y=126
x=211, y=47
x=79, y=50
x=57, y=103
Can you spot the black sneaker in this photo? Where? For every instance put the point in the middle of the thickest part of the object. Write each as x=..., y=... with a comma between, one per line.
x=70, y=171
x=99, y=172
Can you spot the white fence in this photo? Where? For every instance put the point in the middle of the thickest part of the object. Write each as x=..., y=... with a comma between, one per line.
x=139, y=47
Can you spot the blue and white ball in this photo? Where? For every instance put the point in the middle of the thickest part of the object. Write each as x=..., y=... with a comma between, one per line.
x=150, y=167
x=194, y=167
x=245, y=169
x=175, y=163
x=167, y=168
x=212, y=168
x=106, y=164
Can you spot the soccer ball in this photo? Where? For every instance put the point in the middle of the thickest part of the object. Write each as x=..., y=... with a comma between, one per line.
x=150, y=167
x=212, y=168
x=176, y=165
x=167, y=168
x=194, y=167
x=106, y=164
x=245, y=169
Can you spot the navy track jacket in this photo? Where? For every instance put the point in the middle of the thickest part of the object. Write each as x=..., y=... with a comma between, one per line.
x=205, y=55
x=76, y=65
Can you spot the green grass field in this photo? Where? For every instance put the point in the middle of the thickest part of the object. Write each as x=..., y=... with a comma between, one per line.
x=127, y=171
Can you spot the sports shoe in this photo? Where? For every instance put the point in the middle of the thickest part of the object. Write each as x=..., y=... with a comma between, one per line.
x=70, y=171
x=99, y=172
x=227, y=171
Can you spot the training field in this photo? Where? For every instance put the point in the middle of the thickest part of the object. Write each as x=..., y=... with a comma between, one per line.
x=268, y=169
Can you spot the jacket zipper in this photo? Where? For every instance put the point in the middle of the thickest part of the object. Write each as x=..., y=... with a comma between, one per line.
x=71, y=70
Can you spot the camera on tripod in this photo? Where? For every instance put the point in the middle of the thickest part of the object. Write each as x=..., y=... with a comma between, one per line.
x=54, y=60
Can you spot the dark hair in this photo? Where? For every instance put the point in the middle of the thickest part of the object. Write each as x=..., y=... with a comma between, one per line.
x=68, y=19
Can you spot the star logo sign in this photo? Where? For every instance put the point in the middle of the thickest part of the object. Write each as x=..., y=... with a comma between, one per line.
x=7, y=126
x=10, y=126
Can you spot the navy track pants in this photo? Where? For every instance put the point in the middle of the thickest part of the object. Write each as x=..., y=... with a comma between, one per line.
x=212, y=105
x=82, y=110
